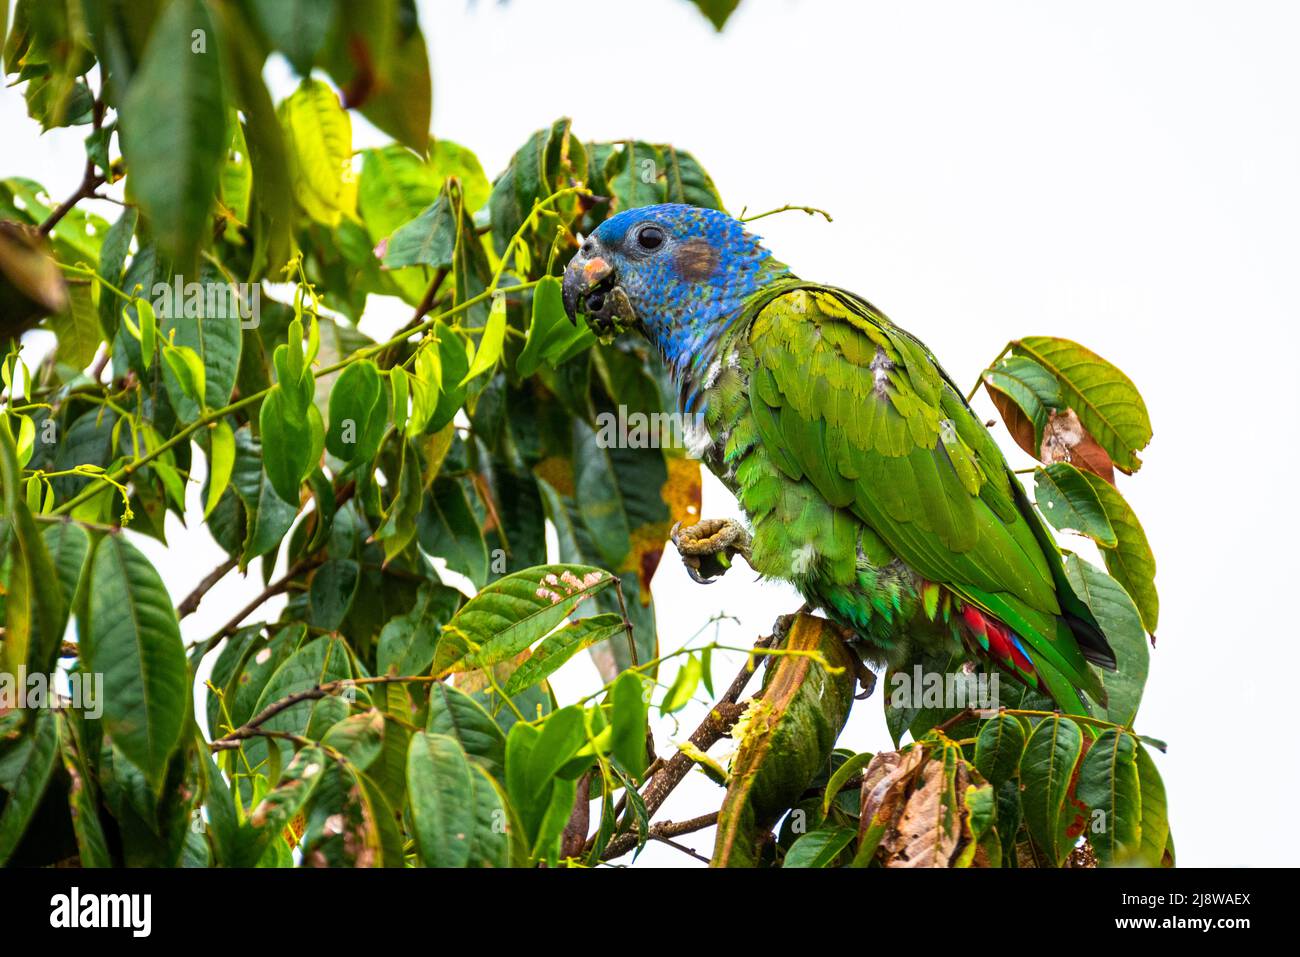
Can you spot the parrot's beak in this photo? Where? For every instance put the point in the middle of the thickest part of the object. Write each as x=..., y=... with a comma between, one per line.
x=582, y=286
x=590, y=287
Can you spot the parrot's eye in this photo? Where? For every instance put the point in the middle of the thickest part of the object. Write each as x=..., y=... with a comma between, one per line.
x=650, y=238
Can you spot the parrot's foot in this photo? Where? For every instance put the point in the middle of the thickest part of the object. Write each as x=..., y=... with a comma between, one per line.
x=866, y=680
x=708, y=547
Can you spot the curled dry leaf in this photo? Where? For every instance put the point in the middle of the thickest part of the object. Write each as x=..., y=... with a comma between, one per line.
x=930, y=828
x=1066, y=440
x=884, y=785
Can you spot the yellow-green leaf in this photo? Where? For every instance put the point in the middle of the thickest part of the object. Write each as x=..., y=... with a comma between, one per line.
x=221, y=462
x=318, y=132
x=494, y=337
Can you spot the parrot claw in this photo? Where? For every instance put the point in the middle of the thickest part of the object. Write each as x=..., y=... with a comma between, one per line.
x=708, y=547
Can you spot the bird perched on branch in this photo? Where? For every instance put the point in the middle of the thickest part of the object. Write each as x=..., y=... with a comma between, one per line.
x=867, y=480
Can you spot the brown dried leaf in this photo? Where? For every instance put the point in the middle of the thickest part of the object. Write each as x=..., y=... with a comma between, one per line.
x=1066, y=440
x=1018, y=424
x=883, y=785
x=929, y=830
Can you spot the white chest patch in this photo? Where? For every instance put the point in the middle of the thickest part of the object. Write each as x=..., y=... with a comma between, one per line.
x=695, y=436
x=880, y=366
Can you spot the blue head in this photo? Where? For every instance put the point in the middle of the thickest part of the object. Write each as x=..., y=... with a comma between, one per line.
x=678, y=273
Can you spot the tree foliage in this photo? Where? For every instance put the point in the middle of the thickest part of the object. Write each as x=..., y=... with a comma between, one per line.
x=209, y=365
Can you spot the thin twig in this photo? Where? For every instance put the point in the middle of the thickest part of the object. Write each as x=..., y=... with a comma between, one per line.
x=679, y=847
x=787, y=208
x=275, y=588
x=671, y=772
x=191, y=601
x=675, y=828
x=91, y=180
x=252, y=728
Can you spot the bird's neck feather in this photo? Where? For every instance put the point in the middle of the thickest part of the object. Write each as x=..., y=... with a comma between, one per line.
x=692, y=320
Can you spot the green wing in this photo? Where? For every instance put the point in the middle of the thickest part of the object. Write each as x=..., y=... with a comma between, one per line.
x=858, y=407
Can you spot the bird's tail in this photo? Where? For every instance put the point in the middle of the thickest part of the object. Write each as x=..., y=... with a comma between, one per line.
x=990, y=637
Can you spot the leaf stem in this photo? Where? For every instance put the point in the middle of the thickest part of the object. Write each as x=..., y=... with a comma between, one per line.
x=215, y=415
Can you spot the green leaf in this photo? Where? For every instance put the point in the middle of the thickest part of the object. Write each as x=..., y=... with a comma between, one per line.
x=632, y=171
x=717, y=11
x=173, y=128
x=549, y=323
x=492, y=341
x=272, y=206
x=557, y=649
x=1118, y=617
x=683, y=687
x=402, y=521
x=1108, y=784
x=631, y=710
x=819, y=848
x=358, y=411
x=187, y=371
x=1070, y=503
x=998, y=748
x=435, y=395
x=1108, y=404
x=427, y=240
x=358, y=737
x=332, y=589
x=216, y=339
x=1131, y=560
x=1024, y=393
x=344, y=826
x=1046, y=767
x=318, y=137
x=511, y=613
x=1154, y=826
x=379, y=52
x=133, y=639
x=457, y=715
x=77, y=329
x=286, y=799
x=221, y=463
x=449, y=529
x=457, y=814
x=35, y=613
x=407, y=641
x=83, y=797
x=841, y=777
x=148, y=328
x=25, y=769
x=298, y=28
x=318, y=662
x=291, y=445
x=112, y=260
x=539, y=792
x=685, y=180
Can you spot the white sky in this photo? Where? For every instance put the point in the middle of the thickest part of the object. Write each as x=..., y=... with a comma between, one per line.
x=1120, y=174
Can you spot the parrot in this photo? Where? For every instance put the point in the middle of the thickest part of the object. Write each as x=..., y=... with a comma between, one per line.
x=865, y=477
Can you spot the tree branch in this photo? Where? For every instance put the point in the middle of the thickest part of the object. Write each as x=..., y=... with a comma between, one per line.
x=253, y=727
x=191, y=601
x=716, y=724
x=91, y=180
